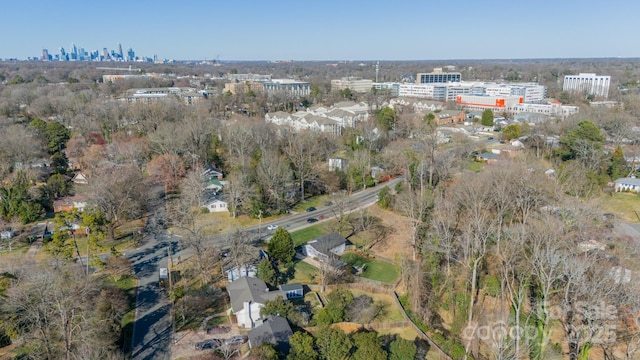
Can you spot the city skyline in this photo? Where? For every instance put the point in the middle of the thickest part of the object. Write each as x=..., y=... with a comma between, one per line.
x=80, y=53
x=329, y=30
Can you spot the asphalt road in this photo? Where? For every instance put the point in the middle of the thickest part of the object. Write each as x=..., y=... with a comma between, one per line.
x=152, y=333
x=152, y=327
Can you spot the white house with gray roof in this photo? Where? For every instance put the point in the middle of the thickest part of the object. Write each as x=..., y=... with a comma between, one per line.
x=323, y=247
x=248, y=295
x=627, y=184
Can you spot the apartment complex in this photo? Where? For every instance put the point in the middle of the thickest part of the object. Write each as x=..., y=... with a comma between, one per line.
x=587, y=84
x=189, y=96
x=355, y=84
x=270, y=87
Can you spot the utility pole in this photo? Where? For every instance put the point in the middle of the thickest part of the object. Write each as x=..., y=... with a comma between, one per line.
x=260, y=224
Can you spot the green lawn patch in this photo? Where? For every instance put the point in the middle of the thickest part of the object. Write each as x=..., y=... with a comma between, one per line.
x=374, y=269
x=622, y=205
x=304, y=273
x=475, y=166
x=129, y=285
x=309, y=233
x=381, y=271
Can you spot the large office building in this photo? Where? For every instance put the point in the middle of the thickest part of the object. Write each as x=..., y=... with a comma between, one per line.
x=287, y=87
x=530, y=92
x=588, y=84
x=483, y=102
x=438, y=76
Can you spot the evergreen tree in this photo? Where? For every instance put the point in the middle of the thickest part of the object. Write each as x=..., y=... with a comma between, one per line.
x=281, y=247
x=487, y=118
x=618, y=167
x=266, y=272
x=368, y=346
x=302, y=347
x=401, y=349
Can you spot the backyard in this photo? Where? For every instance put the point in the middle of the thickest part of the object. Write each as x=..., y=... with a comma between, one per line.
x=378, y=270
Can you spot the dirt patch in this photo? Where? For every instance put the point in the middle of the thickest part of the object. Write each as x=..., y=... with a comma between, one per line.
x=398, y=242
x=185, y=345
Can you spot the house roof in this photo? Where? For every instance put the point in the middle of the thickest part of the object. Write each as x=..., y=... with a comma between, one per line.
x=250, y=289
x=487, y=156
x=291, y=287
x=628, y=181
x=279, y=114
x=325, y=243
x=274, y=330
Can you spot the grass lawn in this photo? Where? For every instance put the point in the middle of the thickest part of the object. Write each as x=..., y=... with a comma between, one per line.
x=18, y=247
x=381, y=271
x=475, y=166
x=621, y=205
x=392, y=313
x=309, y=233
x=375, y=269
x=304, y=273
x=407, y=333
x=129, y=285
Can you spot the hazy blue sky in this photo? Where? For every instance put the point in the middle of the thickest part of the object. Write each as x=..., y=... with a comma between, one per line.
x=325, y=29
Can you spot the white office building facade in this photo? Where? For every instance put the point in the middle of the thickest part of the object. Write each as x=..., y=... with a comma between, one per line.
x=588, y=84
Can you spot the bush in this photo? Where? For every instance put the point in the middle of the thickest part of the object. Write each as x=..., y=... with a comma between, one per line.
x=491, y=285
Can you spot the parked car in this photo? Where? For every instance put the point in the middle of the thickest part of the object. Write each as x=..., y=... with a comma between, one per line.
x=272, y=227
x=208, y=344
x=236, y=340
x=312, y=220
x=310, y=209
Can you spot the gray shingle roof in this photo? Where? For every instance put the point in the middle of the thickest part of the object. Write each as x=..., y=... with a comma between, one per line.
x=628, y=181
x=274, y=330
x=250, y=289
x=327, y=242
x=288, y=287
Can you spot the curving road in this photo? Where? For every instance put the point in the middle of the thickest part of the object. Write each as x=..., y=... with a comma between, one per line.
x=152, y=333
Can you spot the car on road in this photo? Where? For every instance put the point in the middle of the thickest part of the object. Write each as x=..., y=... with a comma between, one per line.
x=272, y=227
x=312, y=220
x=310, y=209
x=208, y=344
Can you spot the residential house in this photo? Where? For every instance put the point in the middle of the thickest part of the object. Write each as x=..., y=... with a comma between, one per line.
x=627, y=184
x=248, y=295
x=274, y=330
x=41, y=230
x=69, y=204
x=214, y=184
x=338, y=164
x=80, y=178
x=211, y=172
x=248, y=257
x=489, y=158
x=448, y=117
x=217, y=205
x=329, y=245
x=237, y=272
x=293, y=291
